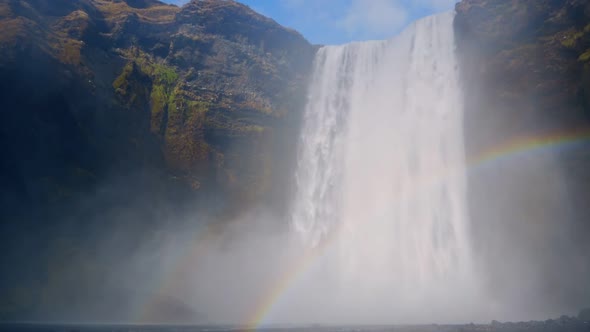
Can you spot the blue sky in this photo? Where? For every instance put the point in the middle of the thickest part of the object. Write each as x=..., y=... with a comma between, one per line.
x=342, y=21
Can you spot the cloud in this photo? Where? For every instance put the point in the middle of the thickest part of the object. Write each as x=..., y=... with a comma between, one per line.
x=294, y=3
x=177, y=2
x=438, y=4
x=346, y=20
x=373, y=18
x=341, y=21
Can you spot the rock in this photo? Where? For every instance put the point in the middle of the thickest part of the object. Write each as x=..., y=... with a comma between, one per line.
x=197, y=92
x=526, y=79
x=129, y=112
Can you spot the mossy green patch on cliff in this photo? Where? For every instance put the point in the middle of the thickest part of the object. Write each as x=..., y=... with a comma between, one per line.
x=254, y=128
x=121, y=82
x=584, y=56
x=164, y=81
x=159, y=107
x=131, y=86
x=160, y=72
x=185, y=146
x=183, y=112
x=570, y=39
x=164, y=74
x=175, y=116
x=573, y=38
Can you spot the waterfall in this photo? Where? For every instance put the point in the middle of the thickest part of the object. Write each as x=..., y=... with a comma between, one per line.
x=380, y=179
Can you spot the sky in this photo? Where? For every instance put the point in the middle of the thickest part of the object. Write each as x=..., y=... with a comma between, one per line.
x=342, y=21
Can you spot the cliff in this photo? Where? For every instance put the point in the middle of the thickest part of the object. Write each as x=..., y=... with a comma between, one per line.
x=120, y=115
x=93, y=87
x=526, y=67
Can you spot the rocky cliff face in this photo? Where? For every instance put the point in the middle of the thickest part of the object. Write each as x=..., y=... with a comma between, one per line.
x=123, y=112
x=530, y=58
x=199, y=93
x=525, y=66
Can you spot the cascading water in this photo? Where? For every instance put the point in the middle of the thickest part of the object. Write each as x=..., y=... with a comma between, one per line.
x=381, y=176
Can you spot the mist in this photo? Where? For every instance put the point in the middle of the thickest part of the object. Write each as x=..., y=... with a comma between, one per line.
x=384, y=213
x=524, y=206
x=191, y=269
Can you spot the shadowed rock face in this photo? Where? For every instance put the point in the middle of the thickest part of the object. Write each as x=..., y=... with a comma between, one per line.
x=199, y=91
x=528, y=59
x=129, y=112
x=525, y=67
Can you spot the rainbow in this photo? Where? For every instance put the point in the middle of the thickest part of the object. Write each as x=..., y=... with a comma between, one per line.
x=287, y=278
x=515, y=147
x=509, y=149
